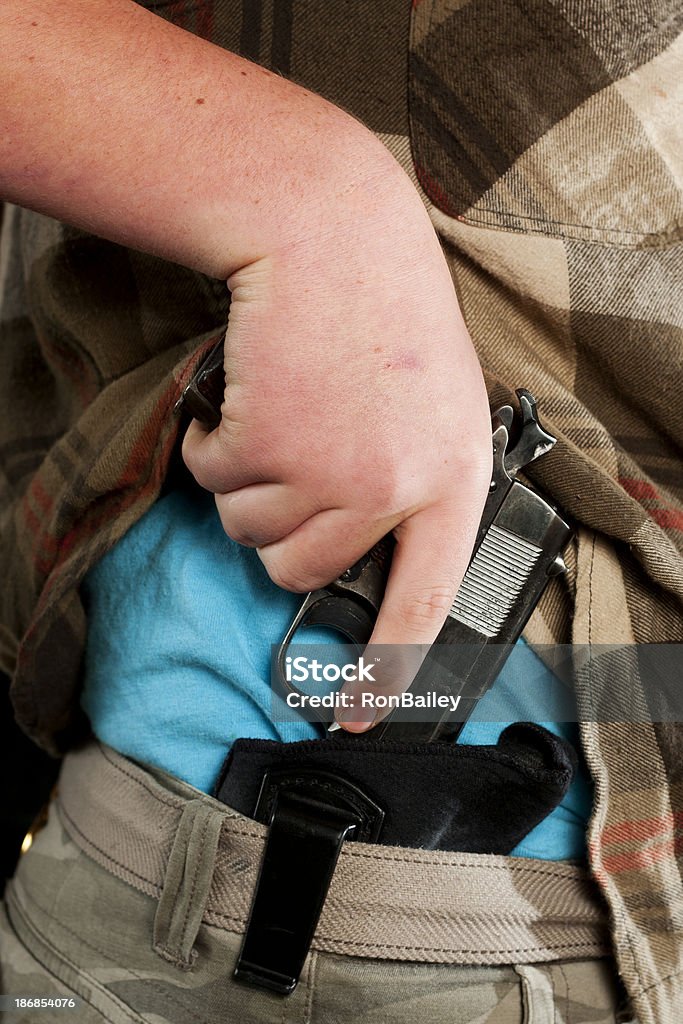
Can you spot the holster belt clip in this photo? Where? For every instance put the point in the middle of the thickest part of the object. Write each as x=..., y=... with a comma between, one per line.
x=310, y=813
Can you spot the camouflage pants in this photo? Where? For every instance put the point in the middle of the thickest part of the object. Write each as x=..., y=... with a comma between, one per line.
x=70, y=928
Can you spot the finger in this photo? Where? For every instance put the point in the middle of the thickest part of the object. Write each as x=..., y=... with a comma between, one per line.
x=261, y=514
x=321, y=549
x=386, y=669
x=433, y=548
x=218, y=462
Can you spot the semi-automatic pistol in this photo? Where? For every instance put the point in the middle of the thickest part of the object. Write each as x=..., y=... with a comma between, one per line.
x=518, y=549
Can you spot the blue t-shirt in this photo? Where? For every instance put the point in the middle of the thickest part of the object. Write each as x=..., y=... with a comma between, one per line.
x=181, y=623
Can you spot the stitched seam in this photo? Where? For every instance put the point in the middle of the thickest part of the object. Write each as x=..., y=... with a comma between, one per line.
x=172, y=958
x=216, y=915
x=502, y=950
x=606, y=243
x=676, y=226
x=175, y=802
x=655, y=984
x=107, y=857
x=143, y=785
x=308, y=1009
x=389, y=749
x=512, y=870
x=567, y=1008
x=577, y=920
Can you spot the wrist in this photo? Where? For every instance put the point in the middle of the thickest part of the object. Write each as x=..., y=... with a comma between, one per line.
x=317, y=182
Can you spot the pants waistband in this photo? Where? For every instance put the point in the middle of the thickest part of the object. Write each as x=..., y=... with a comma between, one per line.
x=200, y=859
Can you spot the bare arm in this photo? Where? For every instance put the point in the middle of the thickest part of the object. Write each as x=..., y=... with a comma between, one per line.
x=120, y=123
x=355, y=403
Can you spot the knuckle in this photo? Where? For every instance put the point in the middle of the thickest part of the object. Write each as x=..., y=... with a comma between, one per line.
x=388, y=490
x=189, y=452
x=286, y=576
x=199, y=462
x=242, y=536
x=426, y=607
x=234, y=526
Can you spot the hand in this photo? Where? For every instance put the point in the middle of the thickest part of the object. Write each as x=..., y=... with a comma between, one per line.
x=354, y=406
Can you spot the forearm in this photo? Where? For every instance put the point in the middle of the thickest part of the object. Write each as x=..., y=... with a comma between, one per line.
x=354, y=403
x=120, y=123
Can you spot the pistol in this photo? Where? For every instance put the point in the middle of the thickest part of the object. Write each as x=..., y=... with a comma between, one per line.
x=518, y=549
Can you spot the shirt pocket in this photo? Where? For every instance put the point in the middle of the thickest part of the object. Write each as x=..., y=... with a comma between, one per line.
x=549, y=118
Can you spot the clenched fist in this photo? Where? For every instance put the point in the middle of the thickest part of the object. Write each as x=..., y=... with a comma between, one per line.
x=354, y=406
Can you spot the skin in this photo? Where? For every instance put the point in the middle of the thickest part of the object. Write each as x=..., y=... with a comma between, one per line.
x=355, y=403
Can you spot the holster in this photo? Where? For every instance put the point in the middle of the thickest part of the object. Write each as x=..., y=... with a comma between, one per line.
x=317, y=794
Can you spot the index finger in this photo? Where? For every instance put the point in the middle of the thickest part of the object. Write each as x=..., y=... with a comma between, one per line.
x=433, y=549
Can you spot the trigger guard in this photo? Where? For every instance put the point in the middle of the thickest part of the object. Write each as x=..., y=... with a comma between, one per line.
x=350, y=618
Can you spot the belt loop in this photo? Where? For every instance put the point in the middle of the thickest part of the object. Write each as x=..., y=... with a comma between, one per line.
x=187, y=882
x=538, y=997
